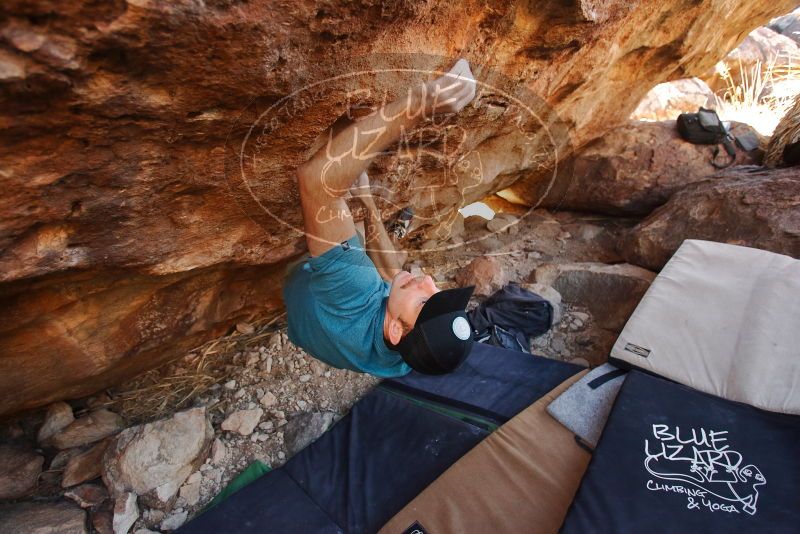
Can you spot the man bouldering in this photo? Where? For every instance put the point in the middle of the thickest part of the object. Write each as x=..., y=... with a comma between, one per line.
x=350, y=304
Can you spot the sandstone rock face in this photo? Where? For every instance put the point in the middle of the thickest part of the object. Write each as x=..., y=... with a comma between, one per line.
x=155, y=459
x=667, y=100
x=43, y=518
x=19, y=471
x=742, y=206
x=133, y=231
x=636, y=168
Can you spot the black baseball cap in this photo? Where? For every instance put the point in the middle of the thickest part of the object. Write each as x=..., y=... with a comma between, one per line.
x=442, y=336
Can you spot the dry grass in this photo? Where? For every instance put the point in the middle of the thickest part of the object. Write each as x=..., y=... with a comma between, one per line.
x=171, y=387
x=761, y=95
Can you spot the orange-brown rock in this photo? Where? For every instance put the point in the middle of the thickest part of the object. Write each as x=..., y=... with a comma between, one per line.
x=636, y=168
x=131, y=230
x=746, y=206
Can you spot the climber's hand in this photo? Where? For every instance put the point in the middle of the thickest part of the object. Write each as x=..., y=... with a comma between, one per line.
x=451, y=92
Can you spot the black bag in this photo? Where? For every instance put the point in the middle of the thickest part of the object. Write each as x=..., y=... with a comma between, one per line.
x=510, y=317
x=705, y=128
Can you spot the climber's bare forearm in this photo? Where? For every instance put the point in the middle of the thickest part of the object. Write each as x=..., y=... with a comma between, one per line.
x=380, y=248
x=325, y=178
x=334, y=167
x=328, y=175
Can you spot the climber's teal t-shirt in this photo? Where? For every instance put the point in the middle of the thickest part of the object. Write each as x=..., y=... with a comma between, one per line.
x=335, y=306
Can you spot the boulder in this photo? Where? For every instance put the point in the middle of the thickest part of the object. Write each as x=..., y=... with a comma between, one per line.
x=667, y=100
x=304, y=429
x=486, y=273
x=242, y=421
x=88, y=429
x=636, y=168
x=126, y=512
x=762, y=49
x=609, y=292
x=87, y=495
x=19, y=471
x=131, y=233
x=43, y=518
x=59, y=415
x=84, y=466
x=155, y=459
x=752, y=207
x=788, y=25
x=268, y=400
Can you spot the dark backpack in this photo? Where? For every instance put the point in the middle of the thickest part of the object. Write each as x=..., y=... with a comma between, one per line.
x=705, y=128
x=510, y=317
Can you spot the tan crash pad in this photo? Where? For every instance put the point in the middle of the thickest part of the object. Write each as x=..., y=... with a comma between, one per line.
x=522, y=478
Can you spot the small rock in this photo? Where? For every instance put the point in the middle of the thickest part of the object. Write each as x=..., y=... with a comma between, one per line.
x=144, y=531
x=84, y=466
x=218, y=452
x=245, y=328
x=43, y=518
x=87, y=495
x=302, y=404
x=259, y=393
x=263, y=437
x=558, y=343
x=305, y=378
x=317, y=367
x=242, y=421
x=267, y=425
x=327, y=374
x=303, y=429
x=239, y=394
x=252, y=359
x=59, y=416
x=281, y=455
x=230, y=384
x=19, y=471
x=268, y=399
x=174, y=520
x=190, y=491
x=62, y=458
x=275, y=342
x=88, y=429
x=501, y=224
x=126, y=512
x=486, y=273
